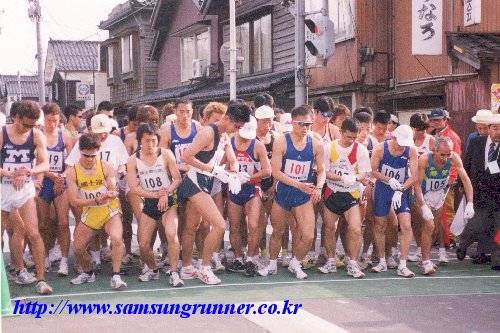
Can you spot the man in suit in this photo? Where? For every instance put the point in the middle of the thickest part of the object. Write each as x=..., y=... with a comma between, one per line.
x=482, y=164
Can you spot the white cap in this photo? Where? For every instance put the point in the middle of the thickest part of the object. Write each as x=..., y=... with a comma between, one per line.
x=264, y=112
x=41, y=120
x=482, y=116
x=403, y=135
x=100, y=123
x=394, y=119
x=3, y=119
x=286, y=122
x=494, y=119
x=249, y=130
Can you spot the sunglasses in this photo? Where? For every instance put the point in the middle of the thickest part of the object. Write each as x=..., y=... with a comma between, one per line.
x=88, y=155
x=28, y=125
x=327, y=114
x=303, y=123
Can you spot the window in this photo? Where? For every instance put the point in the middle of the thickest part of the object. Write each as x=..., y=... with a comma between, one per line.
x=341, y=12
x=127, y=54
x=110, y=61
x=195, y=51
x=256, y=43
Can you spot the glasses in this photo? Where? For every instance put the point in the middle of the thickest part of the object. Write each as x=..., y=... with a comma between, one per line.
x=327, y=114
x=303, y=123
x=28, y=125
x=88, y=155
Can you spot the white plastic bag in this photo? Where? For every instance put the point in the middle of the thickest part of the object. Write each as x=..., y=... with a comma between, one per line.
x=459, y=221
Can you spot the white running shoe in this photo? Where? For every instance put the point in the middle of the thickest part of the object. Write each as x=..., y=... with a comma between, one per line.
x=189, y=273
x=267, y=271
x=428, y=268
x=297, y=271
x=117, y=282
x=354, y=271
x=48, y=264
x=83, y=278
x=207, y=276
x=415, y=257
x=217, y=265
x=175, y=280
x=443, y=258
x=28, y=260
x=286, y=260
x=405, y=272
x=106, y=254
x=63, y=267
x=392, y=263
x=25, y=277
x=149, y=275
x=55, y=253
x=229, y=255
x=329, y=267
x=43, y=288
x=127, y=259
x=379, y=268
x=264, y=259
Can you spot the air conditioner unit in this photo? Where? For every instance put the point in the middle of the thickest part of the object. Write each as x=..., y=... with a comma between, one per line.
x=198, y=66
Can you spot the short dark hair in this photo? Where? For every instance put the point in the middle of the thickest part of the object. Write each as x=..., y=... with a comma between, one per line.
x=278, y=111
x=365, y=109
x=238, y=111
x=29, y=109
x=259, y=100
x=89, y=141
x=51, y=108
x=419, y=121
x=71, y=110
x=14, y=108
x=132, y=113
x=182, y=101
x=147, y=128
x=363, y=117
x=322, y=104
x=340, y=110
x=351, y=125
x=302, y=110
x=88, y=119
x=104, y=105
x=382, y=117
x=269, y=99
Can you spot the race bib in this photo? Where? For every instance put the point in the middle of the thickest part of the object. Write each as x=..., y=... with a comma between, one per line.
x=436, y=184
x=55, y=161
x=179, y=150
x=153, y=184
x=247, y=166
x=297, y=170
x=398, y=174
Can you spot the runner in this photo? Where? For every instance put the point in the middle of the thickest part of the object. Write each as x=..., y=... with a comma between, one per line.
x=20, y=144
x=394, y=165
x=293, y=158
x=433, y=173
x=91, y=186
x=157, y=188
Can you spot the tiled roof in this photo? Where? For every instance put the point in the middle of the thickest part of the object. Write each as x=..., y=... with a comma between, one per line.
x=125, y=9
x=26, y=80
x=75, y=55
x=481, y=45
x=243, y=87
x=28, y=88
x=165, y=95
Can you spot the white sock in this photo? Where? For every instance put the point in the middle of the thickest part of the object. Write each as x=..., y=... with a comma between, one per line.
x=322, y=250
x=206, y=268
x=382, y=261
x=65, y=259
x=273, y=264
x=352, y=262
x=215, y=255
x=96, y=256
x=200, y=262
x=442, y=250
x=402, y=263
x=249, y=258
x=426, y=262
x=419, y=251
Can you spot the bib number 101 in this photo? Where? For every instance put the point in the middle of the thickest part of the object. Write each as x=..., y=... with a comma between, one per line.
x=298, y=169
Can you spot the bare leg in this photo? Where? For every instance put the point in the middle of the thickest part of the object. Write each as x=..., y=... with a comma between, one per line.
x=114, y=229
x=170, y=223
x=83, y=236
x=146, y=229
x=305, y=224
x=30, y=219
x=329, y=227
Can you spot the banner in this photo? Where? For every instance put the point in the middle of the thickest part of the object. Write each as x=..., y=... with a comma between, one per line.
x=495, y=98
x=427, y=27
x=472, y=12
x=83, y=91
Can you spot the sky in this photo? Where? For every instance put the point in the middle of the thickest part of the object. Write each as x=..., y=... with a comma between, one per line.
x=61, y=19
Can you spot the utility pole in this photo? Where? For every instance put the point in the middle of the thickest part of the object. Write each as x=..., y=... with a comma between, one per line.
x=35, y=14
x=232, y=49
x=300, y=53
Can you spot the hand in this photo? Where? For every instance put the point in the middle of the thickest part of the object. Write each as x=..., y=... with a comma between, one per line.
x=307, y=188
x=221, y=174
x=349, y=180
x=22, y=171
x=469, y=211
x=102, y=199
x=427, y=213
x=163, y=203
x=19, y=182
x=122, y=174
x=396, y=200
x=316, y=195
x=234, y=183
x=243, y=177
x=58, y=179
x=395, y=185
x=163, y=192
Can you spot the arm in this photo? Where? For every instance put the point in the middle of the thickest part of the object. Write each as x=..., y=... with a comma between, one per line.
x=265, y=165
x=413, y=169
x=73, y=197
x=135, y=188
x=169, y=161
x=200, y=142
x=231, y=158
x=130, y=143
x=42, y=157
x=326, y=159
x=377, y=155
x=464, y=178
x=431, y=143
x=320, y=168
x=165, y=136
x=423, y=162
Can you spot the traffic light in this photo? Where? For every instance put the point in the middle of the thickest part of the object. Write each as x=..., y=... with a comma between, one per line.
x=320, y=38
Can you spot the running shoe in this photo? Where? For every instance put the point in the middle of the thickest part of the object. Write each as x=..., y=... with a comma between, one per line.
x=264, y=259
x=267, y=271
x=329, y=267
x=43, y=288
x=127, y=259
x=380, y=267
x=309, y=260
x=405, y=272
x=392, y=263
x=286, y=260
x=443, y=258
x=415, y=257
x=28, y=261
x=83, y=278
x=106, y=254
x=297, y=271
x=217, y=265
x=117, y=282
x=250, y=269
x=236, y=267
x=149, y=275
x=207, y=276
x=175, y=281
x=48, y=264
x=428, y=268
x=25, y=277
x=55, y=253
x=63, y=267
x=354, y=271
x=189, y=273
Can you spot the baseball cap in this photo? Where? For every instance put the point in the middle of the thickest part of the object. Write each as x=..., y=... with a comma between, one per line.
x=100, y=123
x=494, y=119
x=264, y=112
x=249, y=130
x=403, y=135
x=437, y=114
x=286, y=122
x=482, y=116
x=394, y=119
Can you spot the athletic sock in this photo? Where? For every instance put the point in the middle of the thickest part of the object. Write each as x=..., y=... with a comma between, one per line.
x=273, y=264
x=402, y=263
x=249, y=258
x=352, y=262
x=382, y=261
x=426, y=262
x=294, y=262
x=263, y=252
x=284, y=251
x=419, y=251
x=442, y=250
